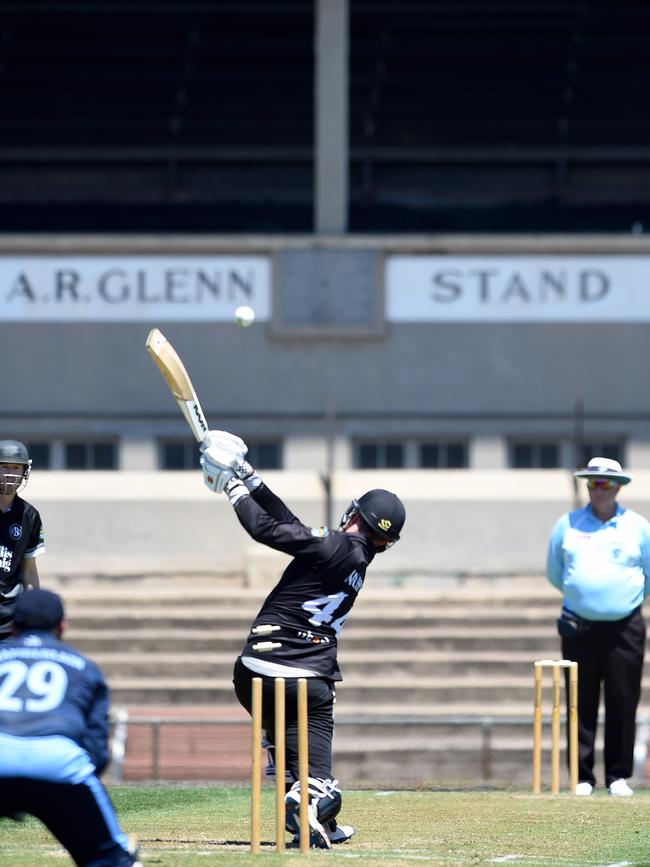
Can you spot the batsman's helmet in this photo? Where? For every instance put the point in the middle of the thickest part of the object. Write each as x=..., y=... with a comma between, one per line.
x=14, y=452
x=382, y=512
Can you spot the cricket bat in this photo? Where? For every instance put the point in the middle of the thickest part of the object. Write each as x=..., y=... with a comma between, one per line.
x=178, y=381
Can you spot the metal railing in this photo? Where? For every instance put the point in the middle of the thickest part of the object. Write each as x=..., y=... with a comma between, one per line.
x=121, y=721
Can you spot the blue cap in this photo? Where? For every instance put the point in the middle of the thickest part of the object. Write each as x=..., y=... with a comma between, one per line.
x=38, y=609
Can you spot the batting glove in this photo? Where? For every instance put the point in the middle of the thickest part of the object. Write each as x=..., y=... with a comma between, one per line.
x=226, y=441
x=215, y=475
x=236, y=489
x=247, y=474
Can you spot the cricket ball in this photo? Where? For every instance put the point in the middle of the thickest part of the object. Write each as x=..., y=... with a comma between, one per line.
x=244, y=316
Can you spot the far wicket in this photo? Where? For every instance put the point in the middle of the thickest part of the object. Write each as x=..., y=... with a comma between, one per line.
x=280, y=764
x=572, y=723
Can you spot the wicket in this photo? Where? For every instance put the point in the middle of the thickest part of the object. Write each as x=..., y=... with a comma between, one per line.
x=572, y=723
x=280, y=764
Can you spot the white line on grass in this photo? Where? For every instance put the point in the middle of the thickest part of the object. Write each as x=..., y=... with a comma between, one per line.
x=503, y=859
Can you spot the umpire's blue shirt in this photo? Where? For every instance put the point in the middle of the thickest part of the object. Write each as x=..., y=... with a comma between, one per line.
x=48, y=690
x=602, y=567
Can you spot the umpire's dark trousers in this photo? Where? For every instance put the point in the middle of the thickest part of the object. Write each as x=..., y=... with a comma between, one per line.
x=320, y=706
x=611, y=653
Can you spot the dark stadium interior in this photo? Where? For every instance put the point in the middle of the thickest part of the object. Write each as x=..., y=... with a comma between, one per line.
x=154, y=115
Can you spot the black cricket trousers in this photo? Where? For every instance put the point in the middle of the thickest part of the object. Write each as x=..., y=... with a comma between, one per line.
x=320, y=702
x=611, y=653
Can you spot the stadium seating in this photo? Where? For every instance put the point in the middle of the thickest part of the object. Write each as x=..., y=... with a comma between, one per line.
x=468, y=115
x=438, y=676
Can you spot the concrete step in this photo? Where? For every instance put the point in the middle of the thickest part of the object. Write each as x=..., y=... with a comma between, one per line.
x=428, y=765
x=355, y=663
x=488, y=694
x=537, y=641
x=204, y=617
x=196, y=590
x=367, y=602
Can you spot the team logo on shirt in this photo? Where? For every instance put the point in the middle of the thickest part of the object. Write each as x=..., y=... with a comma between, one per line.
x=15, y=531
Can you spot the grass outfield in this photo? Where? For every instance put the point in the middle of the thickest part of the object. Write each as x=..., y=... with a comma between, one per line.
x=179, y=827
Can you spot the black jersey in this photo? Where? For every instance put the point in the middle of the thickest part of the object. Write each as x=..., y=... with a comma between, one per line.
x=316, y=591
x=21, y=533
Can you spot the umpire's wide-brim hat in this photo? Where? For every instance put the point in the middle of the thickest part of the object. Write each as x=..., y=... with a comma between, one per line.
x=604, y=468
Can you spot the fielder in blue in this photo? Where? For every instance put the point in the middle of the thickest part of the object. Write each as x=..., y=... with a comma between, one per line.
x=54, y=736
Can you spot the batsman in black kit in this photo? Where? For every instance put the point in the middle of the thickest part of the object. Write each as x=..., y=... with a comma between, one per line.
x=295, y=633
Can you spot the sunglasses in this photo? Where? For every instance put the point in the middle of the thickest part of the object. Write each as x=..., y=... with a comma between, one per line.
x=603, y=484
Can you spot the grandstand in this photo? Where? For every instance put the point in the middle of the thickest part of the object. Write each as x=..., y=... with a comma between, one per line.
x=197, y=116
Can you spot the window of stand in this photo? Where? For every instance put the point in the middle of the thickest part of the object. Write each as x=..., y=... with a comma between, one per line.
x=535, y=455
x=98, y=455
x=184, y=454
x=410, y=454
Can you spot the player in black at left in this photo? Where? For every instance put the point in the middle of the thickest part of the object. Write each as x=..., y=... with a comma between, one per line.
x=21, y=532
x=296, y=631
x=54, y=736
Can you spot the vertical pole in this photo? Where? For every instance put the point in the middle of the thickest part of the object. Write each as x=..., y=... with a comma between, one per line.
x=155, y=749
x=555, y=733
x=331, y=109
x=573, y=726
x=280, y=762
x=256, y=752
x=537, y=731
x=303, y=764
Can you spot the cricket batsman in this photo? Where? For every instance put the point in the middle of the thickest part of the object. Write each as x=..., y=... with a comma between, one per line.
x=302, y=616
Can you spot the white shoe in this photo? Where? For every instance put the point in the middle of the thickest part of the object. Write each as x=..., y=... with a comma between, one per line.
x=620, y=789
x=338, y=833
x=584, y=789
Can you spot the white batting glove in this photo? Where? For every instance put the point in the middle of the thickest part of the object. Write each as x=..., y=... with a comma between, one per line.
x=247, y=474
x=215, y=475
x=236, y=489
x=224, y=440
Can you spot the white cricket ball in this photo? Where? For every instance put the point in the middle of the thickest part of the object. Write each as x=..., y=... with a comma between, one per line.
x=244, y=316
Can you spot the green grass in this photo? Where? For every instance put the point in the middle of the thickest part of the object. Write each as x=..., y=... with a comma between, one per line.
x=180, y=827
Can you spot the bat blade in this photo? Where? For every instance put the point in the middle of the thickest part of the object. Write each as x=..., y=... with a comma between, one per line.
x=168, y=362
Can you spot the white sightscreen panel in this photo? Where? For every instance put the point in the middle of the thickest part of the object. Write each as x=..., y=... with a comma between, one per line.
x=132, y=288
x=517, y=288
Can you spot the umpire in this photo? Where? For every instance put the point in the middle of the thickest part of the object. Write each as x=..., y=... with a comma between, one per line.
x=54, y=736
x=599, y=558
x=296, y=631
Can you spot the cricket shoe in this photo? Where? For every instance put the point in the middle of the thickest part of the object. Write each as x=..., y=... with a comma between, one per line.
x=620, y=789
x=338, y=833
x=318, y=838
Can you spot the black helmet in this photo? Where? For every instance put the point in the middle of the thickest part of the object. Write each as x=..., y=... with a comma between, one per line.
x=14, y=452
x=382, y=511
